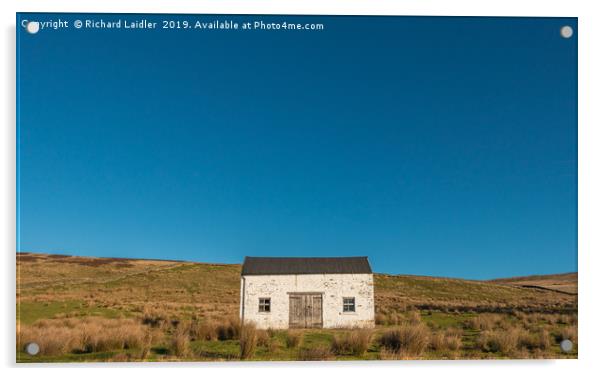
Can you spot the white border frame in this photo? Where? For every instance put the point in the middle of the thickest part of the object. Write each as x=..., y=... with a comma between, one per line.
x=590, y=181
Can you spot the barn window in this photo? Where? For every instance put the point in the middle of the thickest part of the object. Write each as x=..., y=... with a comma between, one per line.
x=348, y=304
x=264, y=304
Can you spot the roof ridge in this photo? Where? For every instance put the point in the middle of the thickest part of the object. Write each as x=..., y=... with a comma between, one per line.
x=306, y=265
x=303, y=257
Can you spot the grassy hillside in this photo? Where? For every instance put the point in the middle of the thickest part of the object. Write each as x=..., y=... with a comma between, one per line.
x=566, y=282
x=49, y=283
x=160, y=295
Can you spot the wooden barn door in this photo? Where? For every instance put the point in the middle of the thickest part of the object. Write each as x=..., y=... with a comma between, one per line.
x=315, y=310
x=305, y=311
x=296, y=316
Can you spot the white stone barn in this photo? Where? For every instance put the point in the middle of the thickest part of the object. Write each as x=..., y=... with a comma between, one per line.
x=280, y=293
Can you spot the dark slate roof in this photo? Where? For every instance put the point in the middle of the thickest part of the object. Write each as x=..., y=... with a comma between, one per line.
x=305, y=265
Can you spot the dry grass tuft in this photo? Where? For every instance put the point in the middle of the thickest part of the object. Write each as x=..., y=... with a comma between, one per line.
x=381, y=319
x=155, y=317
x=271, y=332
x=147, y=343
x=568, y=332
x=534, y=341
x=388, y=354
x=180, y=342
x=319, y=352
x=443, y=341
x=230, y=329
x=248, y=340
x=293, y=338
x=414, y=317
x=90, y=334
x=355, y=342
x=263, y=338
x=408, y=340
x=484, y=321
x=52, y=341
x=203, y=330
x=504, y=342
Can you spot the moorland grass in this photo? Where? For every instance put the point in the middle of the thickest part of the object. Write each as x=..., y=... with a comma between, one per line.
x=84, y=309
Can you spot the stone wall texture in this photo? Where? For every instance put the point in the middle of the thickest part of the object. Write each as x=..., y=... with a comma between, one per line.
x=332, y=287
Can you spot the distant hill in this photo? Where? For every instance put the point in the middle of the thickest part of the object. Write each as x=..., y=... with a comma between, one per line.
x=566, y=282
x=48, y=285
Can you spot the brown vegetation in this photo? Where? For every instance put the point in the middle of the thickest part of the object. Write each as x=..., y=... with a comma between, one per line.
x=319, y=352
x=449, y=340
x=248, y=340
x=408, y=340
x=566, y=282
x=355, y=342
x=501, y=341
x=180, y=342
x=569, y=332
x=91, y=334
x=534, y=341
x=484, y=321
x=162, y=310
x=293, y=338
x=400, y=293
x=230, y=329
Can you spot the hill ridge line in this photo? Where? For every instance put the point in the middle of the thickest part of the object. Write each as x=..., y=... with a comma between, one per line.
x=502, y=280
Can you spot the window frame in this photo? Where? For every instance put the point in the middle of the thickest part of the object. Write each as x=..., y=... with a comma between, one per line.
x=349, y=307
x=265, y=305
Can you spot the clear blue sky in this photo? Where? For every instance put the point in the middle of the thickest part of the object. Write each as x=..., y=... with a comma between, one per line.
x=435, y=146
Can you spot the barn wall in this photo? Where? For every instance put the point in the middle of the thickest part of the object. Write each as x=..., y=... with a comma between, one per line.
x=333, y=286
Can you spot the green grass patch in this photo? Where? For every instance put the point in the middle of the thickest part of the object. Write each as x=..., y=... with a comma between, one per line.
x=23, y=357
x=446, y=320
x=227, y=350
x=30, y=312
x=313, y=338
